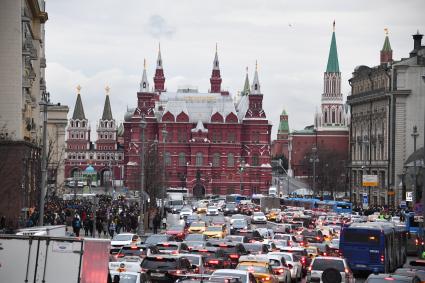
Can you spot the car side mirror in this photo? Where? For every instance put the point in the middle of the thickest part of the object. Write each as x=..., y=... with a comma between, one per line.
x=289, y=266
x=116, y=279
x=194, y=266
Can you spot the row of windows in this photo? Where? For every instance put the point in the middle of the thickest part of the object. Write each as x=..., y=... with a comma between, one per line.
x=106, y=136
x=78, y=124
x=199, y=159
x=77, y=135
x=98, y=157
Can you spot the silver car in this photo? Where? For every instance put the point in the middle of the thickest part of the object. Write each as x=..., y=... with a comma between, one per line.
x=330, y=269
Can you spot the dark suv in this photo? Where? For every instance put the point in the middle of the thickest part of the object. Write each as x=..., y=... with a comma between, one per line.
x=230, y=208
x=166, y=268
x=233, y=250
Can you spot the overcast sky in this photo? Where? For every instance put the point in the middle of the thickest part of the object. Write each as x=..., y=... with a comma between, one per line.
x=96, y=43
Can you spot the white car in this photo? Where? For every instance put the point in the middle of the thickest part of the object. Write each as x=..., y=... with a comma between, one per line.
x=212, y=211
x=185, y=212
x=243, y=275
x=258, y=217
x=237, y=217
x=280, y=267
x=294, y=265
x=123, y=239
x=330, y=267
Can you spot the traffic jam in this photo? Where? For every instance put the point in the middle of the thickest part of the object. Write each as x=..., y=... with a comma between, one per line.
x=244, y=240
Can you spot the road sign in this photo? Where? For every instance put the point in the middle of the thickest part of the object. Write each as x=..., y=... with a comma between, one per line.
x=409, y=196
x=365, y=199
x=370, y=180
x=403, y=204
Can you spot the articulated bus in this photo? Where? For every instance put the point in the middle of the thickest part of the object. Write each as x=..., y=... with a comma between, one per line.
x=311, y=203
x=374, y=246
x=235, y=198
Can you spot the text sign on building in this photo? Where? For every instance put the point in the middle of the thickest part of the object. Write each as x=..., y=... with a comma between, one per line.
x=370, y=180
x=409, y=196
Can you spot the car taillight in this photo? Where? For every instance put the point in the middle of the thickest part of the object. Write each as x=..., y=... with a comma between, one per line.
x=382, y=258
x=325, y=254
x=144, y=270
x=265, y=278
x=417, y=242
x=309, y=268
x=119, y=255
x=346, y=271
x=279, y=271
x=234, y=256
x=175, y=272
x=213, y=261
x=303, y=260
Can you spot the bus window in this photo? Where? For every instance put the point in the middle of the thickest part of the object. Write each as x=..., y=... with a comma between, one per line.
x=371, y=237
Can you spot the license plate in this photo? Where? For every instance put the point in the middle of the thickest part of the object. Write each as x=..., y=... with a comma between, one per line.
x=361, y=265
x=157, y=274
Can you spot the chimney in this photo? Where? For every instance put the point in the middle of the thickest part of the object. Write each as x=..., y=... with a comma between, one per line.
x=417, y=38
x=417, y=42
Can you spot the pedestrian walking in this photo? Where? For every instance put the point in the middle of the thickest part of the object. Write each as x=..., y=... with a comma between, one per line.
x=112, y=228
x=156, y=222
x=76, y=225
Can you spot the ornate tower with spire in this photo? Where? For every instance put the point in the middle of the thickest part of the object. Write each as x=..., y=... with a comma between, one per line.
x=78, y=127
x=144, y=84
x=255, y=98
x=215, y=79
x=159, y=79
x=106, y=128
x=386, y=52
x=332, y=114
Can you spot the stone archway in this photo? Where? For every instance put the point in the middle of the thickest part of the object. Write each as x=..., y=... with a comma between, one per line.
x=199, y=190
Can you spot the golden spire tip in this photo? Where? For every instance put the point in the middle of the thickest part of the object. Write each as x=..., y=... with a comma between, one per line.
x=78, y=89
x=144, y=63
x=386, y=31
x=107, y=89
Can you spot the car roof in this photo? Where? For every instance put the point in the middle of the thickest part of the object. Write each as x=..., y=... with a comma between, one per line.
x=235, y=271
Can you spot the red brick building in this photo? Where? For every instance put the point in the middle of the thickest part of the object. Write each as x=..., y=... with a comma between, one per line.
x=329, y=136
x=105, y=155
x=204, y=139
x=281, y=144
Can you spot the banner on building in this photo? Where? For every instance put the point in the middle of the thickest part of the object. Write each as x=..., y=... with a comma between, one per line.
x=409, y=196
x=370, y=181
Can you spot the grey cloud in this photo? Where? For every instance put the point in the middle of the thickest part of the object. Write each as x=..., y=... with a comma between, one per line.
x=158, y=27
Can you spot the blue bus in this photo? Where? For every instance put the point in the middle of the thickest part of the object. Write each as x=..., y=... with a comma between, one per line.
x=235, y=198
x=415, y=234
x=374, y=246
x=312, y=203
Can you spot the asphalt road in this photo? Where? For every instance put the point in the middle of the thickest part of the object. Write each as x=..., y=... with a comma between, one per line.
x=174, y=219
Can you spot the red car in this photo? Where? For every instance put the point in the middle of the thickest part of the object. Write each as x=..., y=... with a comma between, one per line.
x=178, y=231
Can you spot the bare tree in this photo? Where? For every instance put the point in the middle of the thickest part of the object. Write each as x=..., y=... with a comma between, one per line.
x=153, y=175
x=330, y=171
x=55, y=160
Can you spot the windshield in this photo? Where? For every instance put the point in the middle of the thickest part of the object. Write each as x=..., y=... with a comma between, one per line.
x=214, y=229
x=253, y=248
x=159, y=263
x=197, y=224
x=167, y=247
x=122, y=237
x=219, y=276
x=253, y=268
x=258, y=214
x=193, y=259
x=322, y=264
x=176, y=228
x=194, y=237
x=282, y=237
x=363, y=237
x=153, y=239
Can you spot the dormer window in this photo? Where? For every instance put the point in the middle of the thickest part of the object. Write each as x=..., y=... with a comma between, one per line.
x=256, y=87
x=144, y=85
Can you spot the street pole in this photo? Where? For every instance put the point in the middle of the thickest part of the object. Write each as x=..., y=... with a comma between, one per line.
x=164, y=139
x=314, y=159
x=142, y=177
x=423, y=168
x=44, y=102
x=415, y=136
x=241, y=175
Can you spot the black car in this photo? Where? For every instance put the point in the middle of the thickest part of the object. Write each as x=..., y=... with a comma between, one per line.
x=233, y=250
x=166, y=268
x=313, y=236
x=135, y=251
x=256, y=248
x=215, y=258
x=251, y=235
x=230, y=208
x=159, y=238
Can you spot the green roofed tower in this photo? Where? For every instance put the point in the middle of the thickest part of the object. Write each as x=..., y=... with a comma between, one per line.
x=332, y=115
x=333, y=64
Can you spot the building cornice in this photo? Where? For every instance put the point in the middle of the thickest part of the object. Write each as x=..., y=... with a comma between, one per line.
x=37, y=12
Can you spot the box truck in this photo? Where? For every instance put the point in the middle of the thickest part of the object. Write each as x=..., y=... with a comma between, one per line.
x=49, y=259
x=54, y=231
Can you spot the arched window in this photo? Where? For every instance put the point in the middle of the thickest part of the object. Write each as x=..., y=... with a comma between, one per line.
x=199, y=159
x=72, y=123
x=216, y=160
x=326, y=116
x=77, y=124
x=230, y=160
x=84, y=124
x=167, y=157
x=333, y=116
x=255, y=160
x=182, y=159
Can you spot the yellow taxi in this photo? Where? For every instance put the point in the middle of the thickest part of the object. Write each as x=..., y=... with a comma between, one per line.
x=312, y=251
x=215, y=231
x=202, y=209
x=272, y=215
x=197, y=227
x=259, y=266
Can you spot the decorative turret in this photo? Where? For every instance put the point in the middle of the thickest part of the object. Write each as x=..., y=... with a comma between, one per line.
x=386, y=52
x=246, y=89
x=159, y=79
x=107, y=128
x=255, y=88
x=144, y=84
x=215, y=79
x=78, y=109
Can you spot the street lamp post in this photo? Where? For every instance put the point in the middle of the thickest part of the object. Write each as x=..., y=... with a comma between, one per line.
x=142, y=176
x=314, y=159
x=164, y=139
x=415, y=135
x=242, y=165
x=44, y=102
